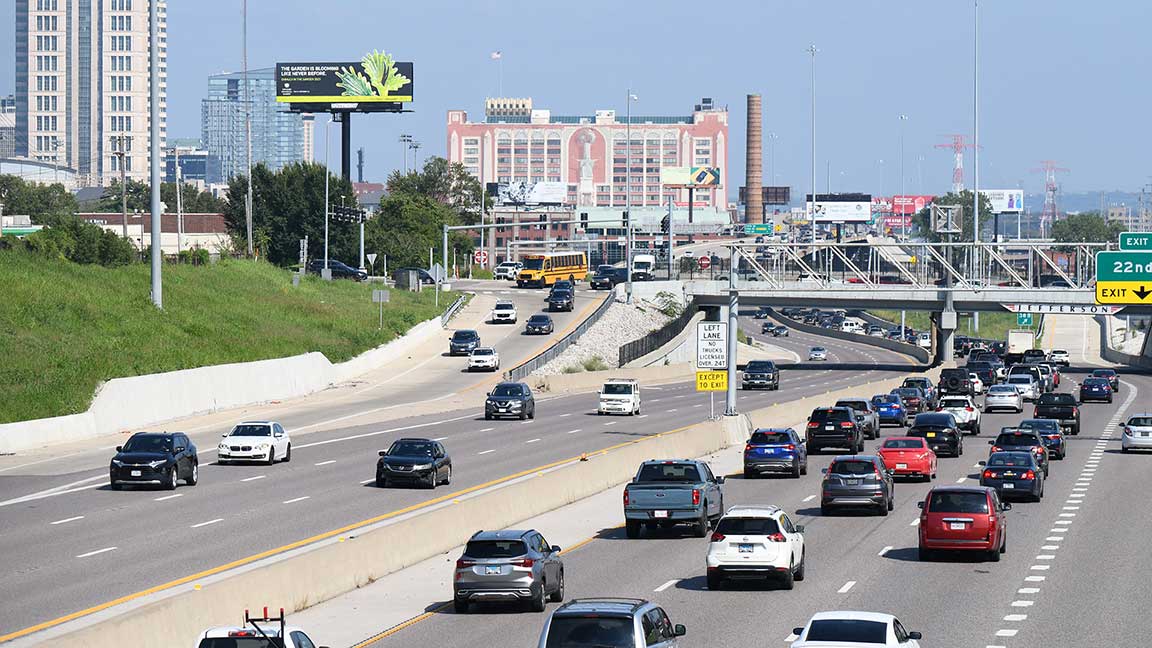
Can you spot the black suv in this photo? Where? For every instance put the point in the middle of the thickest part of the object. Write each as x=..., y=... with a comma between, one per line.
x=955, y=381
x=560, y=300
x=760, y=374
x=510, y=399
x=151, y=458
x=1020, y=440
x=1061, y=407
x=463, y=342
x=940, y=431
x=607, y=276
x=339, y=270
x=834, y=427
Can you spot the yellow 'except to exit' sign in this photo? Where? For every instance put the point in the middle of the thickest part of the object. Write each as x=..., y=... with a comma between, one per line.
x=711, y=381
x=1123, y=292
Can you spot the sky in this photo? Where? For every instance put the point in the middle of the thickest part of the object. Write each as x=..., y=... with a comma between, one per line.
x=1059, y=80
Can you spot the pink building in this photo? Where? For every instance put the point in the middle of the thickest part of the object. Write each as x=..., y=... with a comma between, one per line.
x=517, y=142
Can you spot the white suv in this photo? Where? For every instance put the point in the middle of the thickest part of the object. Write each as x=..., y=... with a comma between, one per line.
x=507, y=270
x=965, y=412
x=619, y=396
x=1060, y=357
x=753, y=542
x=264, y=441
x=484, y=358
x=505, y=311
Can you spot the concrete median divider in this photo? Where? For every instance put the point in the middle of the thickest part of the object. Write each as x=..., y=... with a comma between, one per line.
x=305, y=575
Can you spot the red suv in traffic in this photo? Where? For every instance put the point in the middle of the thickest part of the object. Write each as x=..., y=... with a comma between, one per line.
x=963, y=518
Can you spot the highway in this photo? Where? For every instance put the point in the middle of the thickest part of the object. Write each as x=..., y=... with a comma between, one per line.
x=1067, y=578
x=83, y=544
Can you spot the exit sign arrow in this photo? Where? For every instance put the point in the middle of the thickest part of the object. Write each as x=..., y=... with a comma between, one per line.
x=1142, y=292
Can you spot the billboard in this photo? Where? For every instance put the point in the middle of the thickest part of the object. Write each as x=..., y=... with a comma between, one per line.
x=528, y=193
x=1005, y=201
x=375, y=80
x=842, y=208
x=770, y=195
x=909, y=205
x=690, y=176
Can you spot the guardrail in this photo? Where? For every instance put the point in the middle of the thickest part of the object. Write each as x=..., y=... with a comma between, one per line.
x=658, y=338
x=451, y=311
x=916, y=352
x=547, y=355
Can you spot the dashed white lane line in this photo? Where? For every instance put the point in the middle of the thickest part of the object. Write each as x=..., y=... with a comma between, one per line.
x=1054, y=538
x=1040, y=567
x=642, y=416
x=168, y=497
x=248, y=479
x=809, y=498
x=1022, y=603
x=1006, y=632
x=484, y=452
x=667, y=585
x=365, y=481
x=204, y=524
x=1028, y=590
x=1035, y=579
x=1067, y=515
x=487, y=429
x=915, y=522
x=672, y=409
x=1050, y=547
x=1071, y=508
x=1015, y=617
x=532, y=440
x=961, y=480
x=439, y=438
x=573, y=431
x=1063, y=521
x=325, y=463
x=1046, y=557
x=297, y=499
x=67, y=520
x=610, y=423
x=847, y=586
x=98, y=551
x=884, y=551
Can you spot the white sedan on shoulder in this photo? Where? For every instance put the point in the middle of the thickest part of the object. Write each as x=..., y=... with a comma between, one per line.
x=504, y=312
x=854, y=630
x=484, y=358
x=263, y=441
x=818, y=353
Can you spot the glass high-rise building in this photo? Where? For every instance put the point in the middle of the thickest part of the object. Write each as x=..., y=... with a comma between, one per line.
x=279, y=137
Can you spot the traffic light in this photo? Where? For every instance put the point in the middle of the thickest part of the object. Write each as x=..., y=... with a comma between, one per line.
x=584, y=220
x=624, y=215
x=666, y=224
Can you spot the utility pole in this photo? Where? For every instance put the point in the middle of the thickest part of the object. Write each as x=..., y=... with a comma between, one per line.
x=119, y=152
x=405, y=140
x=628, y=192
x=179, y=204
x=154, y=147
x=812, y=204
x=903, y=217
x=247, y=127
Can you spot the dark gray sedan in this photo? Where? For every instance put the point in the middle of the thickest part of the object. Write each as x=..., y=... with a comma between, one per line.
x=857, y=481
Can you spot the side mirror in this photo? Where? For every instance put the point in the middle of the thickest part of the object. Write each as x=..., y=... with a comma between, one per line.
x=121, y=448
x=679, y=630
x=919, y=504
x=799, y=528
x=224, y=436
x=720, y=480
x=797, y=631
x=1006, y=506
x=823, y=471
x=488, y=395
x=992, y=442
x=383, y=453
x=556, y=549
x=982, y=463
x=915, y=636
x=279, y=435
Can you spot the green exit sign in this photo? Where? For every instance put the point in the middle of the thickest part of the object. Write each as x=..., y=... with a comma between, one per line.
x=1136, y=241
x=757, y=228
x=1023, y=319
x=1124, y=266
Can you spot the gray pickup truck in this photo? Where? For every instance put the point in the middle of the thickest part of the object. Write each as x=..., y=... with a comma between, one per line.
x=673, y=491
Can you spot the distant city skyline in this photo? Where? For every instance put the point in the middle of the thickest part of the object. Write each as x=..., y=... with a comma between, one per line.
x=1050, y=89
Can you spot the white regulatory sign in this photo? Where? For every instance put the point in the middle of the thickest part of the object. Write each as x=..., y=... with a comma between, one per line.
x=712, y=345
x=1065, y=309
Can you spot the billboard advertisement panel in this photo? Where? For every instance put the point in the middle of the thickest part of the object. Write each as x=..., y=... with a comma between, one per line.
x=690, y=176
x=909, y=205
x=770, y=195
x=375, y=80
x=529, y=193
x=842, y=208
x=1005, y=201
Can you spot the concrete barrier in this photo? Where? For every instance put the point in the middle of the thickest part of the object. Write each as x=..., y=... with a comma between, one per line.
x=139, y=401
x=1109, y=353
x=339, y=565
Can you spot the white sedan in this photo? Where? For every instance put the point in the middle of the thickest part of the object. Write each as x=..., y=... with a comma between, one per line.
x=263, y=441
x=854, y=630
x=1003, y=397
x=818, y=353
x=484, y=358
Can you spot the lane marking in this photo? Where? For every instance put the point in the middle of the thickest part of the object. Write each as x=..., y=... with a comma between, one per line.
x=325, y=463
x=248, y=479
x=1050, y=547
x=58, y=490
x=667, y=585
x=204, y=524
x=961, y=480
x=847, y=586
x=487, y=429
x=915, y=522
x=809, y=498
x=1040, y=567
x=366, y=435
x=610, y=423
x=1046, y=557
x=1035, y=579
x=297, y=499
x=66, y=520
x=1022, y=603
x=565, y=415
x=98, y=551
x=532, y=440
x=168, y=497
x=642, y=416
x=1006, y=633
x=672, y=410
x=439, y=438
x=884, y=551
x=484, y=452
x=1028, y=590
x=1015, y=617
x=573, y=431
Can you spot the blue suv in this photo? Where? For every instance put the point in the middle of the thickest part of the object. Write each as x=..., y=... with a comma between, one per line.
x=775, y=450
x=890, y=408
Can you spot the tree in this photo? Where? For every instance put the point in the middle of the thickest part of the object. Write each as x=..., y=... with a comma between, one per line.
x=446, y=182
x=1088, y=227
x=407, y=225
x=923, y=219
x=140, y=199
x=288, y=205
x=42, y=202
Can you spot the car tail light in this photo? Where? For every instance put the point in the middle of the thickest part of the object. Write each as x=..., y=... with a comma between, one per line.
x=969, y=409
x=776, y=537
x=523, y=562
x=1035, y=412
x=1052, y=436
x=790, y=446
x=747, y=447
x=813, y=424
x=717, y=537
x=625, y=497
x=940, y=409
x=1037, y=449
x=1028, y=474
x=1075, y=411
x=462, y=563
x=997, y=449
x=695, y=496
x=988, y=474
x=845, y=424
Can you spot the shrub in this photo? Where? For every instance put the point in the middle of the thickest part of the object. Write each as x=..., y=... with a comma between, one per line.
x=595, y=363
x=667, y=304
x=571, y=369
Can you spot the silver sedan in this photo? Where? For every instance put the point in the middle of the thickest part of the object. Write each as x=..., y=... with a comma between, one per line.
x=1003, y=397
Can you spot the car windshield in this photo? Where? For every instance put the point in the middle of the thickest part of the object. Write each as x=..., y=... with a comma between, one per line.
x=604, y=269
x=1020, y=379
x=949, y=403
x=830, y=415
x=1010, y=459
x=817, y=349
x=495, y=549
x=903, y=444
x=505, y=306
x=1056, y=399
x=563, y=293
x=747, y=526
x=533, y=263
x=1002, y=389
x=618, y=389
x=1042, y=425
x=1013, y=439
x=885, y=399
x=483, y=351
x=241, y=642
x=1107, y=373
x=909, y=392
x=148, y=443
x=585, y=631
x=1140, y=421
x=464, y=336
x=538, y=319
x=411, y=449
x=1059, y=352
x=940, y=420
x=669, y=472
x=854, y=404
x=504, y=391
x=848, y=630
x=251, y=431
x=853, y=467
x=1095, y=382
x=760, y=438
x=958, y=502
x=759, y=365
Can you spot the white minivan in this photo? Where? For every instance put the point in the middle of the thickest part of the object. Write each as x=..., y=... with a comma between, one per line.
x=619, y=396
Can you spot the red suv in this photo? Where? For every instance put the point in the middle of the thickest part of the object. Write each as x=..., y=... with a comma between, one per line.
x=963, y=518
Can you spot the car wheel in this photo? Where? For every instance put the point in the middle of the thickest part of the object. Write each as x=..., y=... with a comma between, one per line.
x=116, y=485
x=171, y=483
x=558, y=595
x=789, y=577
x=460, y=606
x=925, y=555
x=632, y=529
x=750, y=474
x=271, y=456
x=825, y=510
x=288, y=453
x=487, y=416
x=448, y=477
x=715, y=582
x=891, y=502
x=194, y=476
x=796, y=469
x=813, y=449
x=381, y=482
x=884, y=508
x=432, y=481
x=524, y=415
x=804, y=467
x=994, y=555
x=701, y=528
x=799, y=575
x=532, y=413
x=1075, y=430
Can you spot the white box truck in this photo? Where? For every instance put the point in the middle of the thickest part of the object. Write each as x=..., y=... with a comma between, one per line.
x=1020, y=340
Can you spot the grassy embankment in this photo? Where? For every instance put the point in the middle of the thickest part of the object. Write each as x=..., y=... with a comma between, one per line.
x=65, y=327
x=993, y=326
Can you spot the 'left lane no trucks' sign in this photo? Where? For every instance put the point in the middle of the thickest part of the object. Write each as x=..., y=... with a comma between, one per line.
x=712, y=345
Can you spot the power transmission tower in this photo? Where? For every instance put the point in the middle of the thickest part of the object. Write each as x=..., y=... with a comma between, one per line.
x=1048, y=216
x=957, y=146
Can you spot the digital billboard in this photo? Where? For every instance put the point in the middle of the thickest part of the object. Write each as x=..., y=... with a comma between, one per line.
x=769, y=195
x=909, y=205
x=528, y=193
x=1005, y=201
x=375, y=82
x=700, y=176
x=842, y=208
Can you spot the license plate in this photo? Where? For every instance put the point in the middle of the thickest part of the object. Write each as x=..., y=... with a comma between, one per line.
x=1145, y=434
x=660, y=514
x=852, y=482
x=135, y=473
x=492, y=570
x=956, y=526
x=1009, y=486
x=901, y=466
x=745, y=548
x=931, y=435
x=829, y=427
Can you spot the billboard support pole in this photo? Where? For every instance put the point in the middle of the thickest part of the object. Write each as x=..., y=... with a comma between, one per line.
x=346, y=145
x=733, y=330
x=691, y=202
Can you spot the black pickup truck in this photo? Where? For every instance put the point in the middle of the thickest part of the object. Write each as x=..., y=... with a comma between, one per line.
x=1061, y=407
x=760, y=374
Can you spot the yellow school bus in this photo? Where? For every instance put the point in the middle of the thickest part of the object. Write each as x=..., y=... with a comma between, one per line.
x=542, y=270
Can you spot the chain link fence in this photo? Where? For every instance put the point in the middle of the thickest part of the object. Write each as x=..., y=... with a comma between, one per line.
x=524, y=369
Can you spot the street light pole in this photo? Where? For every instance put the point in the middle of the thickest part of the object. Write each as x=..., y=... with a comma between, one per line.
x=628, y=191
x=154, y=147
x=247, y=127
x=812, y=204
x=179, y=203
x=123, y=187
x=772, y=157
x=405, y=140
x=326, y=271
x=903, y=218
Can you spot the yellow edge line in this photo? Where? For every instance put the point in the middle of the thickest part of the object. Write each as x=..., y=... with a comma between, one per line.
x=316, y=538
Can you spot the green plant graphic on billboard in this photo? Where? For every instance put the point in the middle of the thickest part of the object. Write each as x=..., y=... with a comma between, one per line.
x=382, y=77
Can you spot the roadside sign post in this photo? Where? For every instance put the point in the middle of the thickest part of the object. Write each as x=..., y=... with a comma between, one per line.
x=711, y=360
x=1124, y=277
x=381, y=297
x=480, y=257
x=371, y=260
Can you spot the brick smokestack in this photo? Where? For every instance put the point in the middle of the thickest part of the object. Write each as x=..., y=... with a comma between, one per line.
x=754, y=172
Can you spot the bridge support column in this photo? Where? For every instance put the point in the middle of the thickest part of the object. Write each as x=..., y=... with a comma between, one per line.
x=945, y=337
